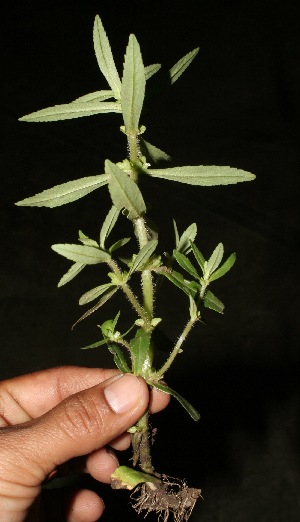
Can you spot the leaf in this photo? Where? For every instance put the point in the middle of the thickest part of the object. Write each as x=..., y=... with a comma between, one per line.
x=187, y=406
x=71, y=273
x=108, y=224
x=183, y=244
x=185, y=263
x=105, y=58
x=139, y=348
x=214, y=260
x=153, y=153
x=204, y=175
x=133, y=87
x=94, y=345
x=178, y=69
x=85, y=240
x=72, y=110
x=178, y=280
x=100, y=303
x=124, y=191
x=212, y=302
x=224, y=268
x=150, y=70
x=198, y=256
x=144, y=254
x=94, y=293
x=95, y=96
x=119, y=244
x=65, y=193
x=82, y=254
x=119, y=358
x=194, y=313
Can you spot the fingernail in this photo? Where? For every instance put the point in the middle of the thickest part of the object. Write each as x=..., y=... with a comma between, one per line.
x=124, y=393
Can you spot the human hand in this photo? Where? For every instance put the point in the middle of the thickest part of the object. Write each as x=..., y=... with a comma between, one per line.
x=49, y=417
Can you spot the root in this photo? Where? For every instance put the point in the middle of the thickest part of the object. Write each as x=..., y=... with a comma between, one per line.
x=169, y=496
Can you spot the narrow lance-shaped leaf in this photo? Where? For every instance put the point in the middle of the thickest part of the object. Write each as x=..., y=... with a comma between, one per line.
x=124, y=191
x=153, y=153
x=108, y=224
x=185, y=263
x=119, y=358
x=214, y=260
x=187, y=406
x=144, y=254
x=105, y=58
x=139, y=348
x=188, y=287
x=212, y=302
x=203, y=175
x=73, y=271
x=150, y=70
x=95, y=96
x=198, y=256
x=94, y=293
x=85, y=240
x=105, y=297
x=133, y=87
x=72, y=110
x=178, y=69
x=65, y=193
x=82, y=254
x=224, y=268
x=183, y=243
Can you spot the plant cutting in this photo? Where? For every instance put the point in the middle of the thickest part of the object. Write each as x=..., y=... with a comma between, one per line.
x=140, y=258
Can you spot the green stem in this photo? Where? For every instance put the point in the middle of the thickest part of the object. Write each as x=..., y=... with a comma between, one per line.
x=176, y=349
x=128, y=292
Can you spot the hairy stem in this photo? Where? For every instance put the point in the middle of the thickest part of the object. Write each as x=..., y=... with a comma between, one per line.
x=176, y=348
x=141, y=445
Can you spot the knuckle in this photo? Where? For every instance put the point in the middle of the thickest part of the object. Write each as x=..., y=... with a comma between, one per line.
x=82, y=418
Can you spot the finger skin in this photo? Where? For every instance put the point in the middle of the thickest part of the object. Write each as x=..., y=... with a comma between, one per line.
x=77, y=426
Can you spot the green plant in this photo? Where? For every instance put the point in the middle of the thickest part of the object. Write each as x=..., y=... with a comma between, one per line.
x=185, y=267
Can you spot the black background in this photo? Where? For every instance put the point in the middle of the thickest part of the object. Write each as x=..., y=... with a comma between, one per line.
x=238, y=105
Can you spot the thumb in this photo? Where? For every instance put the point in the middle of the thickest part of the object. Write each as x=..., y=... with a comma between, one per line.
x=79, y=425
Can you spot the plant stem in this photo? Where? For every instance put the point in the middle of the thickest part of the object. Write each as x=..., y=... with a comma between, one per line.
x=129, y=293
x=141, y=445
x=176, y=349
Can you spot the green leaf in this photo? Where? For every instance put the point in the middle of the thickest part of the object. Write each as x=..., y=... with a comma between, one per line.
x=224, y=268
x=212, y=302
x=139, y=348
x=124, y=191
x=188, y=287
x=187, y=406
x=94, y=293
x=185, y=263
x=119, y=244
x=178, y=69
x=95, y=96
x=204, y=175
x=214, y=260
x=65, y=193
x=133, y=87
x=108, y=224
x=85, y=240
x=71, y=273
x=198, y=256
x=105, y=58
x=153, y=153
x=82, y=254
x=72, y=110
x=105, y=297
x=150, y=70
x=144, y=254
x=119, y=358
x=94, y=345
x=194, y=313
x=183, y=244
